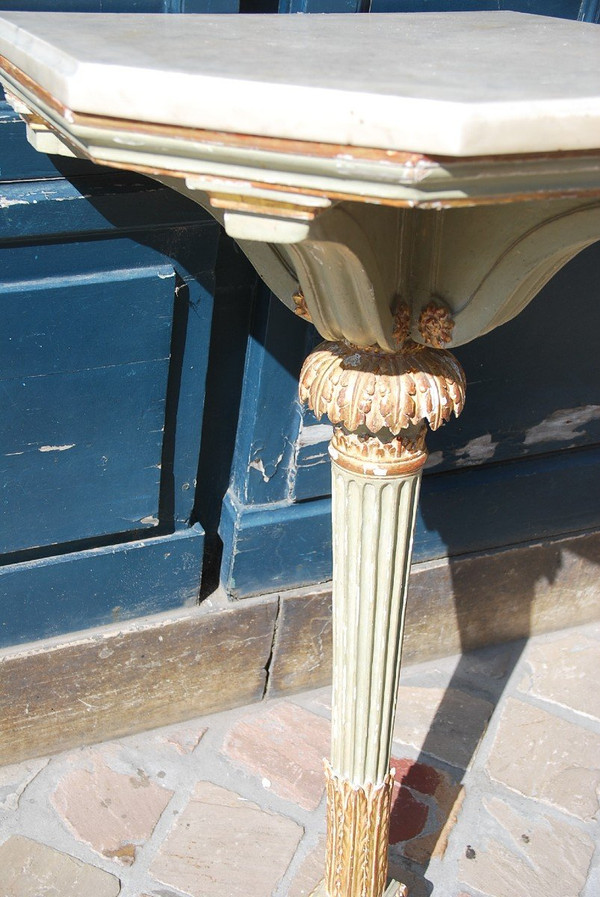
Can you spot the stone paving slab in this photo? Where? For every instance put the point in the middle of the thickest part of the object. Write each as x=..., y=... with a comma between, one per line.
x=15, y=778
x=310, y=872
x=112, y=812
x=284, y=745
x=547, y=758
x=223, y=843
x=497, y=759
x=561, y=672
x=531, y=855
x=30, y=869
x=447, y=724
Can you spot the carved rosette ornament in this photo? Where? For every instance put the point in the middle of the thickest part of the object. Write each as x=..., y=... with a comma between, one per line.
x=401, y=329
x=300, y=306
x=436, y=324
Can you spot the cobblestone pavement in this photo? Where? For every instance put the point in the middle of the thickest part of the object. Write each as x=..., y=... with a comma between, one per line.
x=497, y=757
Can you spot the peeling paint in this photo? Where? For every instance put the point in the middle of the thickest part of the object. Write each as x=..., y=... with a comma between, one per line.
x=56, y=448
x=563, y=425
x=434, y=459
x=150, y=519
x=314, y=434
x=477, y=450
x=257, y=464
x=166, y=276
x=55, y=198
x=5, y=203
x=127, y=141
x=320, y=458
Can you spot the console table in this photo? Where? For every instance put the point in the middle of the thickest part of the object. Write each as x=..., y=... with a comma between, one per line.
x=407, y=183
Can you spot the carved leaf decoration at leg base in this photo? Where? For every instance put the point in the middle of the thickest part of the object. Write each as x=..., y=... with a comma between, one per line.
x=358, y=821
x=394, y=889
x=372, y=389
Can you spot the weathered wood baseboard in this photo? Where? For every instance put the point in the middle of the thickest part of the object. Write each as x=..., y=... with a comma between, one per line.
x=117, y=680
x=455, y=605
x=108, y=682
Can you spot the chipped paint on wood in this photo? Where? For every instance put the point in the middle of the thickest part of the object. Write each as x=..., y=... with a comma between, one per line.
x=563, y=425
x=314, y=434
x=6, y=203
x=434, y=459
x=477, y=450
x=56, y=448
x=258, y=464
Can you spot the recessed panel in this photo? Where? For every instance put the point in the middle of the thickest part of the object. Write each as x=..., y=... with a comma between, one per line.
x=83, y=375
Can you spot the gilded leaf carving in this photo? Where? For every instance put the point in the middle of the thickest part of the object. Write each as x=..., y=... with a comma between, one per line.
x=357, y=834
x=377, y=390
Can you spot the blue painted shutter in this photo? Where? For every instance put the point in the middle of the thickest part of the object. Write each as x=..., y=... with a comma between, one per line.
x=107, y=284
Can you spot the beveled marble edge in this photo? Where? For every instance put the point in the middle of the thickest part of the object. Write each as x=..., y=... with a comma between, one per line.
x=462, y=90
x=304, y=174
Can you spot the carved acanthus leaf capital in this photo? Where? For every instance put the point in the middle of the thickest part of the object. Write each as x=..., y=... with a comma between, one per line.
x=376, y=390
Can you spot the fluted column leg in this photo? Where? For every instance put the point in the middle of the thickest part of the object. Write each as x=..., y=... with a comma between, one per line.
x=378, y=404
x=373, y=509
x=373, y=520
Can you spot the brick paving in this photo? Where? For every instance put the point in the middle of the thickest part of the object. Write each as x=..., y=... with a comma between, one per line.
x=497, y=759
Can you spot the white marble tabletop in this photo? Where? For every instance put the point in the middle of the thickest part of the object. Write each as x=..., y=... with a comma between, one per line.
x=461, y=84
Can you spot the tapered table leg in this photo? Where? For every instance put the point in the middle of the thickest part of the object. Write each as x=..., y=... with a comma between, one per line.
x=378, y=404
x=373, y=517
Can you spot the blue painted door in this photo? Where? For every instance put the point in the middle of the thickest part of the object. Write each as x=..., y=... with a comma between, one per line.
x=107, y=285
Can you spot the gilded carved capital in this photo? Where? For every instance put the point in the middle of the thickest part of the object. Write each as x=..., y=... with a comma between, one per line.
x=377, y=391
